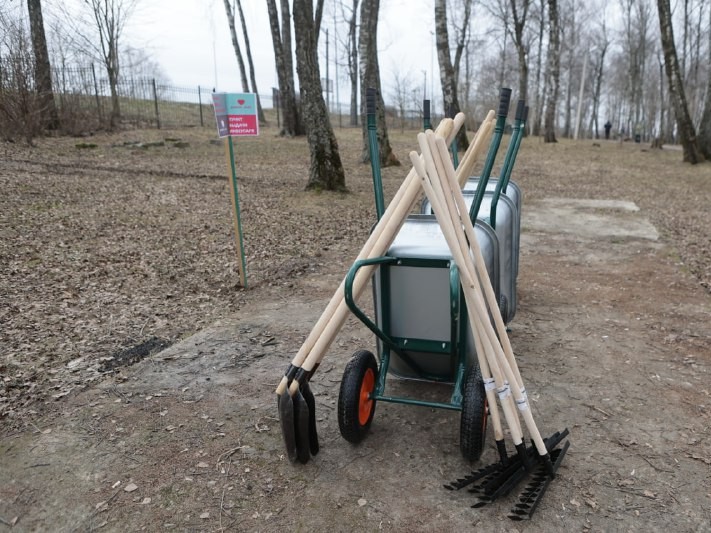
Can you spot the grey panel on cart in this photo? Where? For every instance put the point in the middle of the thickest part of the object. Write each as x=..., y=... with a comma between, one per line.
x=420, y=237
x=507, y=232
x=420, y=296
x=419, y=300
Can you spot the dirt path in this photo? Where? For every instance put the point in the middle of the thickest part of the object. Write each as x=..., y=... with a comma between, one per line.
x=613, y=339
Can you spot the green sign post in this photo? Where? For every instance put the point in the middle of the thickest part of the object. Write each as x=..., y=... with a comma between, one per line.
x=236, y=116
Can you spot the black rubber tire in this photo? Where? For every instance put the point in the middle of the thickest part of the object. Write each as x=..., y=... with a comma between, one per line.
x=472, y=430
x=353, y=424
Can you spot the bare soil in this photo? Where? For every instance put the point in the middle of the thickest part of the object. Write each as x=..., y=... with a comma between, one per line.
x=137, y=376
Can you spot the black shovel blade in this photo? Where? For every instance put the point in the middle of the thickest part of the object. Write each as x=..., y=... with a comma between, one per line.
x=285, y=406
x=311, y=403
x=301, y=427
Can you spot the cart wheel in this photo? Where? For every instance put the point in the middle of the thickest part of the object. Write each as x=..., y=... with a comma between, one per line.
x=355, y=407
x=472, y=430
x=504, y=307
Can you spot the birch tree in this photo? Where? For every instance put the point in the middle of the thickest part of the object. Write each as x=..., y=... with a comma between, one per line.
x=326, y=170
x=705, y=126
x=684, y=124
x=43, y=71
x=283, y=57
x=370, y=77
x=552, y=72
x=230, y=12
x=448, y=69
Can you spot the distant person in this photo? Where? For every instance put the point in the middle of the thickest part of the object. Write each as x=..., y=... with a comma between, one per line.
x=608, y=127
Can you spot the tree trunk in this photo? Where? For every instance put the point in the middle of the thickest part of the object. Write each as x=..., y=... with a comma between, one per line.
x=353, y=62
x=705, y=125
x=538, y=108
x=519, y=24
x=235, y=45
x=43, y=71
x=685, y=127
x=326, y=171
x=553, y=72
x=567, y=123
x=248, y=50
x=281, y=40
x=370, y=77
x=448, y=72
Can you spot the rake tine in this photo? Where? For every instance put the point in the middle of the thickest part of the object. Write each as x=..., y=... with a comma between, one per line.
x=532, y=494
x=476, y=475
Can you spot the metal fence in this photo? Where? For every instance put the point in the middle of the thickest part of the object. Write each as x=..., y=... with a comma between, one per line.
x=142, y=102
x=83, y=98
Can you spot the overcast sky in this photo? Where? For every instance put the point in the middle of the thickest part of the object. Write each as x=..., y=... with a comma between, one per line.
x=190, y=39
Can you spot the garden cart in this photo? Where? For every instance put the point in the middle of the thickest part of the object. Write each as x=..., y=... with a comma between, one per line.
x=420, y=325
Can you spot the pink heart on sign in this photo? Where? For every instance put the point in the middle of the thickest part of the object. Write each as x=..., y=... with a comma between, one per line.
x=240, y=102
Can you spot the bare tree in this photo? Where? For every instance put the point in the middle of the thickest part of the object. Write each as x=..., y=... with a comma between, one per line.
x=326, y=172
x=602, y=43
x=401, y=95
x=20, y=106
x=552, y=72
x=352, y=48
x=636, y=40
x=109, y=18
x=235, y=44
x=448, y=69
x=230, y=11
x=281, y=39
x=538, y=103
x=43, y=71
x=684, y=124
x=519, y=12
x=705, y=126
x=370, y=77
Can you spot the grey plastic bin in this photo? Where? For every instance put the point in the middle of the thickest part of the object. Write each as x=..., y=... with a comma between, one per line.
x=420, y=295
x=507, y=230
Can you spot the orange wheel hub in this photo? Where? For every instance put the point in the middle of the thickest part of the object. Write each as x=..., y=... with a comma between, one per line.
x=365, y=403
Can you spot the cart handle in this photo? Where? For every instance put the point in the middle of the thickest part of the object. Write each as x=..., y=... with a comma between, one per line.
x=350, y=301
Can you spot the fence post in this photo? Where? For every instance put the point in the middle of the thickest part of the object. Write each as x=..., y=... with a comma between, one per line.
x=155, y=101
x=202, y=123
x=96, y=93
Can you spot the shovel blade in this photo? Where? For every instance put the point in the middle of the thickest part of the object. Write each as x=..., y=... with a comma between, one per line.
x=301, y=427
x=311, y=403
x=285, y=406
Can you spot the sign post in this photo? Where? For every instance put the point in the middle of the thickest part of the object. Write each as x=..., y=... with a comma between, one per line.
x=236, y=116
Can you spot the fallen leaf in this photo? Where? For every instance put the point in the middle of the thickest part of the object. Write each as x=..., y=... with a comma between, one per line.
x=205, y=515
x=146, y=501
x=101, y=506
x=649, y=494
x=575, y=502
x=362, y=502
x=130, y=487
x=202, y=464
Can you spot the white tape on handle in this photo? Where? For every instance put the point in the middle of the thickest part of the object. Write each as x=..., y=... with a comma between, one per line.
x=489, y=384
